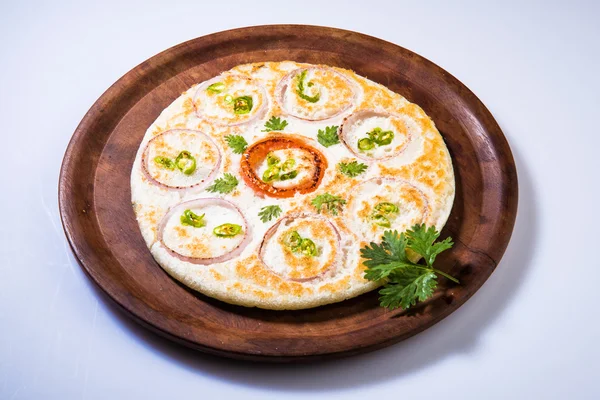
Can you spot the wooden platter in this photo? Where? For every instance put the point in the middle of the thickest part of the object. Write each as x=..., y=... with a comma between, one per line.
x=95, y=197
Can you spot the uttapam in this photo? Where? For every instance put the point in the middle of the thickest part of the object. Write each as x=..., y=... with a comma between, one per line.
x=259, y=186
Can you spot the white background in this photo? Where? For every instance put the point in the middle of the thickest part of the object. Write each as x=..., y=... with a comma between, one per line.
x=531, y=332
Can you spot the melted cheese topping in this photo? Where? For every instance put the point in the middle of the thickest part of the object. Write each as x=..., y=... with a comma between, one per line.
x=419, y=179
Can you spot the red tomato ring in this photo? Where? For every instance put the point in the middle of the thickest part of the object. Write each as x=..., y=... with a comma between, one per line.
x=256, y=154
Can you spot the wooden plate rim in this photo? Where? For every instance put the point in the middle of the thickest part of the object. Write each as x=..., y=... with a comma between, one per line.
x=82, y=250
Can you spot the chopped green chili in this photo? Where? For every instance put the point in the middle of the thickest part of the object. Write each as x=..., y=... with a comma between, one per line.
x=308, y=248
x=165, y=162
x=272, y=159
x=271, y=174
x=386, y=208
x=293, y=240
x=242, y=105
x=192, y=219
x=288, y=175
x=288, y=164
x=365, y=144
x=216, y=87
x=227, y=230
x=300, y=89
x=381, y=220
x=185, y=162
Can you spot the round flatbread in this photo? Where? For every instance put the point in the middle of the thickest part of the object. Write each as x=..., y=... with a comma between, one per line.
x=259, y=186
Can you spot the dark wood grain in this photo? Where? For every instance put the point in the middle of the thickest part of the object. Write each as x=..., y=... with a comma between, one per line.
x=95, y=205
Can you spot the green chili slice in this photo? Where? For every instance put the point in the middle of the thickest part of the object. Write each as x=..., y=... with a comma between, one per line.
x=386, y=208
x=308, y=248
x=288, y=164
x=373, y=134
x=165, y=162
x=217, y=87
x=293, y=240
x=272, y=159
x=288, y=175
x=271, y=174
x=365, y=144
x=192, y=219
x=185, y=162
x=242, y=105
x=384, y=137
x=300, y=89
x=227, y=230
x=381, y=220
x=228, y=99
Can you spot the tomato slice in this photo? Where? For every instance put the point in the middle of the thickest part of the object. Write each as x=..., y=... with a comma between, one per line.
x=255, y=155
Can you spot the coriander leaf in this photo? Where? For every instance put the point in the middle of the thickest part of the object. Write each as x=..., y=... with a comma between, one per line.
x=267, y=213
x=395, y=244
x=332, y=203
x=275, y=124
x=420, y=240
x=408, y=286
x=352, y=169
x=224, y=185
x=406, y=282
x=329, y=136
x=237, y=143
x=391, y=250
x=378, y=272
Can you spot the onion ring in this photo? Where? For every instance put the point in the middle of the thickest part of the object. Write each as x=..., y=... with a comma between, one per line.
x=353, y=118
x=203, y=202
x=204, y=182
x=285, y=82
x=292, y=217
x=260, y=113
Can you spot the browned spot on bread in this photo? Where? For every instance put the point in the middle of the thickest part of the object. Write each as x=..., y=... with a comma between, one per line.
x=216, y=275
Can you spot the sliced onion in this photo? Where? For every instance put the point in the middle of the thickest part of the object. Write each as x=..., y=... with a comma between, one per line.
x=353, y=119
x=285, y=83
x=291, y=217
x=258, y=114
x=204, y=182
x=363, y=228
x=204, y=202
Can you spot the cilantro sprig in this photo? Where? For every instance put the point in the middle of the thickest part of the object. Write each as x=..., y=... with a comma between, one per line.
x=352, y=169
x=275, y=124
x=237, y=143
x=223, y=185
x=332, y=203
x=267, y=213
x=406, y=282
x=329, y=136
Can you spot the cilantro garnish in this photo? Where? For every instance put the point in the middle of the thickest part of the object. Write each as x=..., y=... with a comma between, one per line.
x=406, y=282
x=237, y=143
x=329, y=136
x=332, y=203
x=267, y=213
x=275, y=124
x=223, y=185
x=352, y=169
